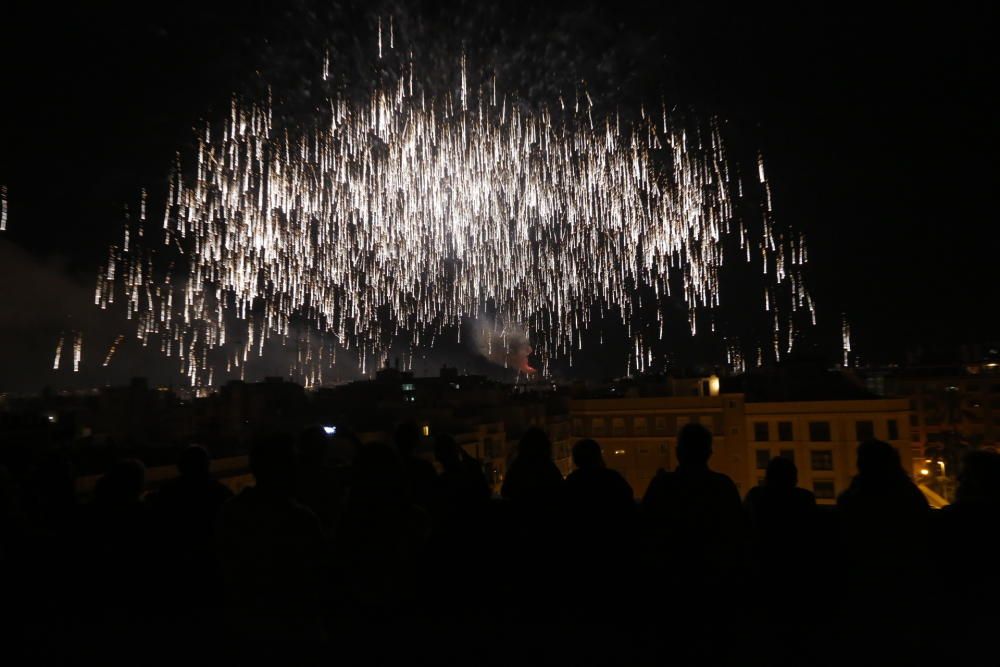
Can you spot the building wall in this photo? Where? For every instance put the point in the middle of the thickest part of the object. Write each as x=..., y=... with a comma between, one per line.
x=809, y=449
x=638, y=436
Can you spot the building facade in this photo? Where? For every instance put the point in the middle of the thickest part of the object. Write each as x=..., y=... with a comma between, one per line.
x=639, y=435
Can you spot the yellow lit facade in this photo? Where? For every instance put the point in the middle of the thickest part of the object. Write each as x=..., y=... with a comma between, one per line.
x=639, y=435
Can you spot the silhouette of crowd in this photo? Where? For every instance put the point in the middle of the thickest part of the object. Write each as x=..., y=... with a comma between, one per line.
x=336, y=534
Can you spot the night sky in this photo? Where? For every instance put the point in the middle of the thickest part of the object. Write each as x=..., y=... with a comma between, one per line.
x=876, y=127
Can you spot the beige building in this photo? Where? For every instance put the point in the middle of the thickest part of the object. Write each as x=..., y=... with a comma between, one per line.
x=821, y=437
x=639, y=435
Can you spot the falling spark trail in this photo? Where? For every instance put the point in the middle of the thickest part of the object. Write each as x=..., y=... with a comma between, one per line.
x=58, y=358
x=77, y=351
x=410, y=211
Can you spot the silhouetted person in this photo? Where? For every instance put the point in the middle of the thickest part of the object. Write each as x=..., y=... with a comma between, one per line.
x=119, y=532
x=883, y=518
x=186, y=509
x=783, y=523
x=382, y=533
x=594, y=490
x=460, y=513
x=461, y=487
x=418, y=472
x=694, y=523
x=969, y=530
x=601, y=513
x=320, y=487
x=533, y=481
x=272, y=551
x=533, y=490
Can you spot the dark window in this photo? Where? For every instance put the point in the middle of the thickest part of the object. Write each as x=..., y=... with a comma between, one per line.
x=824, y=489
x=763, y=458
x=760, y=432
x=785, y=431
x=893, y=429
x=819, y=431
x=913, y=420
x=788, y=454
x=972, y=386
x=864, y=430
x=821, y=459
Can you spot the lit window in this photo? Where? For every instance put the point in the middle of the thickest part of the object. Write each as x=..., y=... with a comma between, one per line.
x=824, y=489
x=426, y=430
x=821, y=459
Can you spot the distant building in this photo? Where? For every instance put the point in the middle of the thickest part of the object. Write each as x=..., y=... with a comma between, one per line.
x=638, y=435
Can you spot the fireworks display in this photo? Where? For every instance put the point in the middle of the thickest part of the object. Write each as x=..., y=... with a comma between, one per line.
x=391, y=220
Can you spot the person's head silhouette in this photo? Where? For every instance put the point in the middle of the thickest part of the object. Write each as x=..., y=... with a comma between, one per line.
x=587, y=455
x=781, y=474
x=272, y=462
x=694, y=445
x=194, y=463
x=879, y=462
x=534, y=446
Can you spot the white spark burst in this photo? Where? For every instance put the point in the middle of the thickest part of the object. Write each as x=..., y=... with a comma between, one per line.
x=407, y=212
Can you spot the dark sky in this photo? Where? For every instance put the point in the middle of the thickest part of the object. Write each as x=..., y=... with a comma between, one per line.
x=876, y=125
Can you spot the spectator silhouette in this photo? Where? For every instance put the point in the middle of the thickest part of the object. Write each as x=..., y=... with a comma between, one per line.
x=119, y=532
x=320, y=487
x=533, y=481
x=383, y=533
x=595, y=491
x=533, y=490
x=272, y=551
x=694, y=524
x=186, y=509
x=460, y=490
x=883, y=519
x=601, y=520
x=460, y=514
x=418, y=473
x=782, y=519
x=967, y=531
